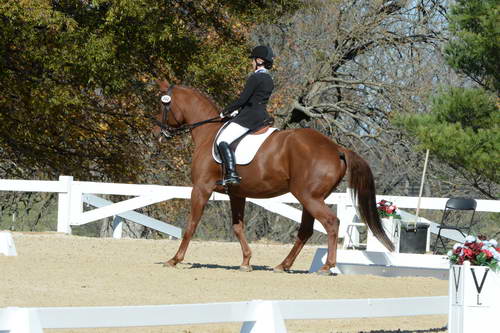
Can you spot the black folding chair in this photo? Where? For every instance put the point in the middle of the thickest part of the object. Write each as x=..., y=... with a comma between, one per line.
x=453, y=220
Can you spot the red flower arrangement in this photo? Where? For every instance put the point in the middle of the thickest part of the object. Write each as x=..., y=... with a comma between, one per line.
x=479, y=251
x=387, y=209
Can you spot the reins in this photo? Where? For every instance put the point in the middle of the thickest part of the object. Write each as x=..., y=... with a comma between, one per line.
x=170, y=131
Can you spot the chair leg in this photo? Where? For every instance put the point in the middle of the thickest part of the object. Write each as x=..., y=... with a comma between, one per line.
x=443, y=244
x=436, y=242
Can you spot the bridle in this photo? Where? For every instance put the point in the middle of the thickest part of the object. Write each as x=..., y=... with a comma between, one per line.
x=170, y=132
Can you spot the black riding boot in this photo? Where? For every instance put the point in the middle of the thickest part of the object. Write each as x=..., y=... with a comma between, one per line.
x=227, y=156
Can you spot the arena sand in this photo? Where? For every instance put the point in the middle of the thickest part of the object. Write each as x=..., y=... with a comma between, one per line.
x=60, y=270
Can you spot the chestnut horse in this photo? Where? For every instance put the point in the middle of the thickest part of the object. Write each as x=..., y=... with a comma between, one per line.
x=301, y=161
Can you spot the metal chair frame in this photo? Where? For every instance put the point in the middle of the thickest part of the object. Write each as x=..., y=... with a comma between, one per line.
x=455, y=204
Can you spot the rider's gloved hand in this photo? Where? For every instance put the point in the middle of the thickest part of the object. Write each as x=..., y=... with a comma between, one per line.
x=228, y=115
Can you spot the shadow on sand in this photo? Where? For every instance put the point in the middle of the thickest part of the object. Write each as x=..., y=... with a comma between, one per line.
x=195, y=265
x=237, y=268
x=442, y=329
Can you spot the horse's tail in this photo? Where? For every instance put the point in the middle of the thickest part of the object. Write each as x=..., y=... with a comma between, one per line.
x=362, y=187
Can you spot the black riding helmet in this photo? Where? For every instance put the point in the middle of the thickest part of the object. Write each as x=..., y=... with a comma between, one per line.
x=263, y=52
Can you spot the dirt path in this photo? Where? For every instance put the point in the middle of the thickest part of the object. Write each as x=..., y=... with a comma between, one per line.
x=60, y=270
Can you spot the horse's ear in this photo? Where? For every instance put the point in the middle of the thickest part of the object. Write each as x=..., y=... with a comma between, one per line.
x=163, y=84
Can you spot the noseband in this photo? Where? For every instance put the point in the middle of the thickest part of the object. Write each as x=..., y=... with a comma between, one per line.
x=169, y=132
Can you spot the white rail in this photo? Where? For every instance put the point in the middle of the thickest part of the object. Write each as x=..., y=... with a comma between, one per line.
x=257, y=316
x=136, y=217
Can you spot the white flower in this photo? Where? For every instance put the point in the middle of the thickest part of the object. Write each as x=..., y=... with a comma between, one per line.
x=457, y=246
x=450, y=253
x=493, y=242
x=470, y=239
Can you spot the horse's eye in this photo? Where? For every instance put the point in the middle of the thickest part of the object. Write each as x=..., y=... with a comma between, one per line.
x=165, y=99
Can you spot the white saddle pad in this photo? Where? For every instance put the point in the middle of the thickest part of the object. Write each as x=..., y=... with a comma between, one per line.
x=247, y=148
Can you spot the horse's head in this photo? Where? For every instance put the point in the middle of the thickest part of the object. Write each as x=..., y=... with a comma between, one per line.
x=170, y=116
x=183, y=109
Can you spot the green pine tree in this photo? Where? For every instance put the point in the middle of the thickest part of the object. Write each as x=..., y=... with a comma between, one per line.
x=462, y=127
x=474, y=48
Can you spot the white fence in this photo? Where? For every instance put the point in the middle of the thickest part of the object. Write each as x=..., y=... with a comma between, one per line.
x=257, y=316
x=72, y=195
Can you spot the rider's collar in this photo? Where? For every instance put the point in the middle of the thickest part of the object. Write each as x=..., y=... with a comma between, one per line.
x=261, y=70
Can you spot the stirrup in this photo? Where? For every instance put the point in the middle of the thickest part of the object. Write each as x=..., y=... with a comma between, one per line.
x=233, y=180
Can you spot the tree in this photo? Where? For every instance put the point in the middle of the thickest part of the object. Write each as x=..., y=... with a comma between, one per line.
x=347, y=67
x=474, y=48
x=76, y=81
x=75, y=75
x=462, y=127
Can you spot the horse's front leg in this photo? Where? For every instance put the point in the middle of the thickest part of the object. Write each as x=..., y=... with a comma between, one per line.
x=199, y=198
x=238, y=213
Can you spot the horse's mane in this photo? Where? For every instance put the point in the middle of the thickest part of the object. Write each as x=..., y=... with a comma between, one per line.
x=202, y=94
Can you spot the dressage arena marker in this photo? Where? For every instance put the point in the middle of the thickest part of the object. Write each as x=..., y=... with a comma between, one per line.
x=7, y=246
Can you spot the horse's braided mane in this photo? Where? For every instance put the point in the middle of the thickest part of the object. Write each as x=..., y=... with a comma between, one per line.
x=203, y=94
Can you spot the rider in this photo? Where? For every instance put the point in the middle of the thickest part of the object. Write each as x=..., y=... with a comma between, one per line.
x=252, y=114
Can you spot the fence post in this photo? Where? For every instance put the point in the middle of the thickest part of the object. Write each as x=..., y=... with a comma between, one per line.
x=75, y=204
x=22, y=320
x=63, y=206
x=269, y=319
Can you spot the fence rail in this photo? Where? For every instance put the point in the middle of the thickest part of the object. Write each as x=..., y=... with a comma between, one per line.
x=256, y=316
x=72, y=195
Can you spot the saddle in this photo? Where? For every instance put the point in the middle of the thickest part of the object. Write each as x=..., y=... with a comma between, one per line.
x=246, y=146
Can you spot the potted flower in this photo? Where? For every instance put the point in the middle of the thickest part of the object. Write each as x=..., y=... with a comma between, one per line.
x=388, y=212
x=478, y=251
x=474, y=285
x=386, y=209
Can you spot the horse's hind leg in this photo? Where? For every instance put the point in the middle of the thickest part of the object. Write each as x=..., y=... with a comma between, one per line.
x=330, y=222
x=304, y=233
x=238, y=213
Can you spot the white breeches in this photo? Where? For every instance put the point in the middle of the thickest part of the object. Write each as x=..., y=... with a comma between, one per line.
x=232, y=132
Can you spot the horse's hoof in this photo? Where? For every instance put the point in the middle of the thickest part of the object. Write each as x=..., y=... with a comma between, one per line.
x=170, y=264
x=245, y=268
x=324, y=272
x=279, y=269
